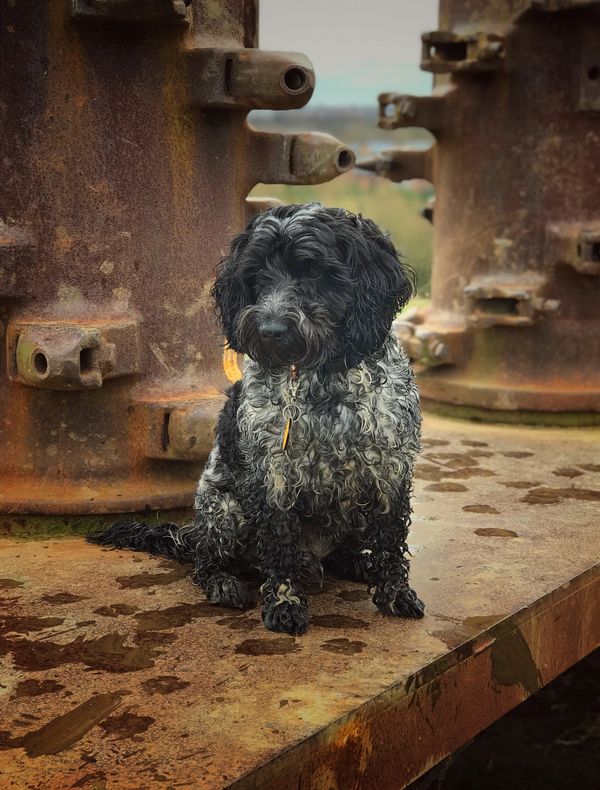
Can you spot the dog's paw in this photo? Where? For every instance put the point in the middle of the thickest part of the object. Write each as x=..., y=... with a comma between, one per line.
x=401, y=603
x=285, y=607
x=225, y=590
x=289, y=618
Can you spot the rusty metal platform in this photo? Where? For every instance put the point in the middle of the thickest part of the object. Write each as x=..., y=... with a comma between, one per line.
x=116, y=673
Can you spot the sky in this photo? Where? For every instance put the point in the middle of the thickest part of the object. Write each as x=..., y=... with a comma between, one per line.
x=359, y=48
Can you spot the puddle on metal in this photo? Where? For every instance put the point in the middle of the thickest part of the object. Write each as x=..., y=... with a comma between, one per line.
x=553, y=496
x=496, y=532
x=63, y=597
x=344, y=646
x=164, y=684
x=481, y=509
x=278, y=646
x=337, y=621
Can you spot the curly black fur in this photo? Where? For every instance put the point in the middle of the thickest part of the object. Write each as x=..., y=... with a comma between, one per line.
x=317, y=288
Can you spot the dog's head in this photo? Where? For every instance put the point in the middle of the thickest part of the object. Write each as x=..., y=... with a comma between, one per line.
x=310, y=285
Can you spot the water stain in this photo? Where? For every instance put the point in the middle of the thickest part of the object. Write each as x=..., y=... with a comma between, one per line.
x=453, y=460
x=520, y=484
x=115, y=610
x=268, y=647
x=434, y=442
x=82, y=623
x=64, y=731
x=126, y=725
x=473, y=443
x=438, y=473
x=481, y=509
x=553, y=496
x=35, y=688
x=10, y=584
x=567, y=471
x=24, y=625
x=164, y=684
x=353, y=596
x=516, y=454
x=146, y=579
x=496, y=532
x=177, y=616
x=337, y=621
x=98, y=778
x=513, y=664
x=63, y=597
x=239, y=623
x=481, y=622
x=590, y=467
x=448, y=487
x=108, y=652
x=344, y=646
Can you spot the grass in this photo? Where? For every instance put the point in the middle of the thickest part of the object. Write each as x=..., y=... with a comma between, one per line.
x=394, y=207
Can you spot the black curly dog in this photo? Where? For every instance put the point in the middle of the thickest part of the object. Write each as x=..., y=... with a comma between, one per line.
x=316, y=444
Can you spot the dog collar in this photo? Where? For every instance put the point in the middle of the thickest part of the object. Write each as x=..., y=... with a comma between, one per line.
x=290, y=410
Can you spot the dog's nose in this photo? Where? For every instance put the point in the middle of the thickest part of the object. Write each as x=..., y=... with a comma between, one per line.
x=272, y=329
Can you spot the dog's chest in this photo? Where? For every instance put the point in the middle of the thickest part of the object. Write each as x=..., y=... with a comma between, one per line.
x=347, y=438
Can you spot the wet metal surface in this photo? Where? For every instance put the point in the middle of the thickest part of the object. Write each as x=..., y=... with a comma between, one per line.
x=513, y=323
x=117, y=674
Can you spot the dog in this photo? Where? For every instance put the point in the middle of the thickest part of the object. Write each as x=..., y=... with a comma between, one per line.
x=315, y=446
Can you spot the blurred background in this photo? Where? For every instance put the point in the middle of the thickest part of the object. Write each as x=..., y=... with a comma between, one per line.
x=357, y=54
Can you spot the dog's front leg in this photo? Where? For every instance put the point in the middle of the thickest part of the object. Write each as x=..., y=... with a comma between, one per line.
x=390, y=566
x=285, y=607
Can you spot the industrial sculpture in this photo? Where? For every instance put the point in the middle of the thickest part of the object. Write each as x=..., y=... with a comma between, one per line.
x=126, y=161
x=513, y=330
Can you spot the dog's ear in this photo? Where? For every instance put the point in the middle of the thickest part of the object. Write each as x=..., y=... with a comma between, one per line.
x=231, y=291
x=383, y=285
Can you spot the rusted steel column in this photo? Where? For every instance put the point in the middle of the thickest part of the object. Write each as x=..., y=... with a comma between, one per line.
x=126, y=160
x=514, y=324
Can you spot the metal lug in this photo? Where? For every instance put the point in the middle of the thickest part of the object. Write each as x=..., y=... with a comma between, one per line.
x=309, y=158
x=249, y=79
x=131, y=11
x=181, y=428
x=397, y=110
x=576, y=245
x=507, y=302
x=445, y=51
x=399, y=164
x=65, y=355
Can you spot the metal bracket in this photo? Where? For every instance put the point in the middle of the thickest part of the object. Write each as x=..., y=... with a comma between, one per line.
x=507, y=302
x=430, y=345
x=131, y=11
x=399, y=164
x=17, y=255
x=70, y=355
x=309, y=158
x=445, y=51
x=397, y=110
x=181, y=429
x=249, y=79
x=575, y=245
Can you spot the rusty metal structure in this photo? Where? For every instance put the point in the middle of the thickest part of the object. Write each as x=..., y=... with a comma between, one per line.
x=126, y=161
x=513, y=330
